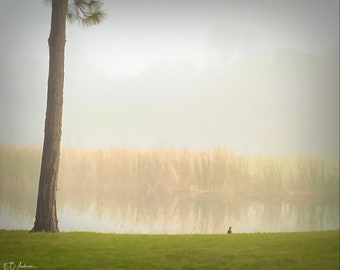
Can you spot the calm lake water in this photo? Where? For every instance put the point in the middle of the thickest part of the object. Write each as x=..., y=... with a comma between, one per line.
x=207, y=217
x=168, y=191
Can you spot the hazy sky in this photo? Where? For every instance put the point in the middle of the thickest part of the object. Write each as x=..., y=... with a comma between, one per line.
x=250, y=76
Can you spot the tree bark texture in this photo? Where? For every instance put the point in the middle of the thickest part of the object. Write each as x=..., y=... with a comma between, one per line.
x=46, y=212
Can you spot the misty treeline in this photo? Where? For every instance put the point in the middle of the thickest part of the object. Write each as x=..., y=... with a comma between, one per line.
x=154, y=175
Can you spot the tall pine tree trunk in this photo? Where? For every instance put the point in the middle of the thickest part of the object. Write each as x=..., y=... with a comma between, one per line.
x=46, y=212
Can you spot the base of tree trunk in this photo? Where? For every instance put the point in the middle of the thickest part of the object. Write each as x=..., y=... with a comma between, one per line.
x=33, y=230
x=51, y=227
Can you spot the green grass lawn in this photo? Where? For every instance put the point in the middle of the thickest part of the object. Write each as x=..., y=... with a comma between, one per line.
x=82, y=250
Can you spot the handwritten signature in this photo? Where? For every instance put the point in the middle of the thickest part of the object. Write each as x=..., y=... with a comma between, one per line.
x=12, y=266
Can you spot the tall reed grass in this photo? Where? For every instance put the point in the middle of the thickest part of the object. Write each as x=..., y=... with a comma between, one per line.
x=216, y=171
x=165, y=170
x=197, y=191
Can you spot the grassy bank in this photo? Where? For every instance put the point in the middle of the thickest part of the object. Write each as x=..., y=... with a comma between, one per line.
x=312, y=250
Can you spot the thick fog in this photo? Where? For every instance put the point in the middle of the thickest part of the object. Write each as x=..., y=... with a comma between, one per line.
x=249, y=76
x=155, y=84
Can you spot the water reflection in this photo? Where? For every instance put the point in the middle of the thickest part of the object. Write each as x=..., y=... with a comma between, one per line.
x=168, y=191
x=255, y=217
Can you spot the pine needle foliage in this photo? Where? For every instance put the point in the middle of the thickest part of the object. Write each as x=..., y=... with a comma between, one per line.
x=85, y=12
